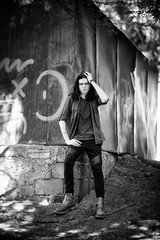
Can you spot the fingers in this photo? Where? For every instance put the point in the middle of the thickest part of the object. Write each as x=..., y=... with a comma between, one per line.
x=88, y=75
x=76, y=143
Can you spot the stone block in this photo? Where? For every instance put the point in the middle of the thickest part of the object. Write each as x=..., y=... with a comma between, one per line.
x=91, y=185
x=83, y=158
x=86, y=171
x=48, y=187
x=26, y=192
x=84, y=187
x=82, y=170
x=61, y=153
x=53, y=154
x=40, y=170
x=39, y=155
x=81, y=187
x=76, y=187
x=58, y=198
x=58, y=170
x=78, y=170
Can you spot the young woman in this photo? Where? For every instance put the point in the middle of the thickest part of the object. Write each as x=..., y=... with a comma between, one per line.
x=81, y=130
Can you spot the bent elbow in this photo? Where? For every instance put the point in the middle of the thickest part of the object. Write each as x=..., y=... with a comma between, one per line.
x=105, y=100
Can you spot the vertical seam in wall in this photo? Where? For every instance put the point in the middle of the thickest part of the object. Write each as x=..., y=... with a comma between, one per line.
x=96, y=75
x=117, y=146
x=74, y=27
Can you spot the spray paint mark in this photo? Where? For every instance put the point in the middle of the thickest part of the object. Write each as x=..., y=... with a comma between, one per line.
x=17, y=63
x=64, y=87
x=44, y=94
x=13, y=122
x=19, y=87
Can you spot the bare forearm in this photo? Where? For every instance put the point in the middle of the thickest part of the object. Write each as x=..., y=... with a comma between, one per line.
x=63, y=128
x=73, y=142
x=103, y=96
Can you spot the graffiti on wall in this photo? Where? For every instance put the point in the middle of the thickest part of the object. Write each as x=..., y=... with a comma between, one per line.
x=64, y=88
x=17, y=63
x=11, y=109
x=12, y=121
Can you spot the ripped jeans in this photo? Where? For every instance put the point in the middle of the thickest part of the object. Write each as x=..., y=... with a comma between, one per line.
x=94, y=153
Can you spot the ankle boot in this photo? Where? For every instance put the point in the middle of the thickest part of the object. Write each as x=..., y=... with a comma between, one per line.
x=67, y=204
x=100, y=208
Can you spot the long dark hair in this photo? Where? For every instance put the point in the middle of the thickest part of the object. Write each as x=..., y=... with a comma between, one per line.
x=91, y=95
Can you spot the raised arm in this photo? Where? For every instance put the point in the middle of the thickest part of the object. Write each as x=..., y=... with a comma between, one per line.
x=103, y=96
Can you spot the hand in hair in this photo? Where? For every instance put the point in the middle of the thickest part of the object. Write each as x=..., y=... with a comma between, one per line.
x=88, y=76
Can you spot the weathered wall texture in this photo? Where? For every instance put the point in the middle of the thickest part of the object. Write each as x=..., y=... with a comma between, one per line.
x=42, y=50
x=31, y=171
x=41, y=53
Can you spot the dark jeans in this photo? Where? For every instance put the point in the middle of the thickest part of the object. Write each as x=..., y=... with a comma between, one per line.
x=94, y=153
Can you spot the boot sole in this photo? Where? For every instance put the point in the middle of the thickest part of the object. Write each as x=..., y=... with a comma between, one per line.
x=67, y=210
x=100, y=217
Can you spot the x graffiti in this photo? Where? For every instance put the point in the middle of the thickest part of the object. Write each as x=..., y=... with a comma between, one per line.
x=19, y=87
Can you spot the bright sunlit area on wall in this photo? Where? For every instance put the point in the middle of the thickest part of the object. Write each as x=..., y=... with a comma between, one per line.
x=158, y=121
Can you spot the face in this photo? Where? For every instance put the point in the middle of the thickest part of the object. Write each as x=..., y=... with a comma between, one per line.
x=84, y=86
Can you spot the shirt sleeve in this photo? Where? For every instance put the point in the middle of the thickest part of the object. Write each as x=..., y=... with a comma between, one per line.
x=66, y=110
x=99, y=102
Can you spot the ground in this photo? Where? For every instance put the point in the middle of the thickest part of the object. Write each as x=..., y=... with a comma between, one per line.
x=132, y=206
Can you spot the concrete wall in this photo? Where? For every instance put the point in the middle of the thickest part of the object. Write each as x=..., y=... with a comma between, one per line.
x=35, y=171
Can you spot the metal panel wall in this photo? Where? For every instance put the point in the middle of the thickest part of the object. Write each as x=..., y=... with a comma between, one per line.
x=106, y=75
x=44, y=49
x=140, y=116
x=152, y=104
x=85, y=39
x=61, y=40
x=126, y=53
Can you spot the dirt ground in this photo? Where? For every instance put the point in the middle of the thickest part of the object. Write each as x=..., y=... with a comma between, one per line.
x=132, y=206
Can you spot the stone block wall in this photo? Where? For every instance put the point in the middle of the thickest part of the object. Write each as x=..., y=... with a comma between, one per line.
x=35, y=171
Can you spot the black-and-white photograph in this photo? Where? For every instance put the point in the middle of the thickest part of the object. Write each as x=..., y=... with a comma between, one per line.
x=79, y=119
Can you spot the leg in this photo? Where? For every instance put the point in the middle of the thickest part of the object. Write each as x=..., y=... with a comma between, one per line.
x=68, y=202
x=99, y=179
x=72, y=155
x=94, y=154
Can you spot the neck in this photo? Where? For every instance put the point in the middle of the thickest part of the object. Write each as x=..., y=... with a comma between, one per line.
x=83, y=96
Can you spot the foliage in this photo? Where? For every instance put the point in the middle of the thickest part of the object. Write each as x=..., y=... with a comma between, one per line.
x=139, y=21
